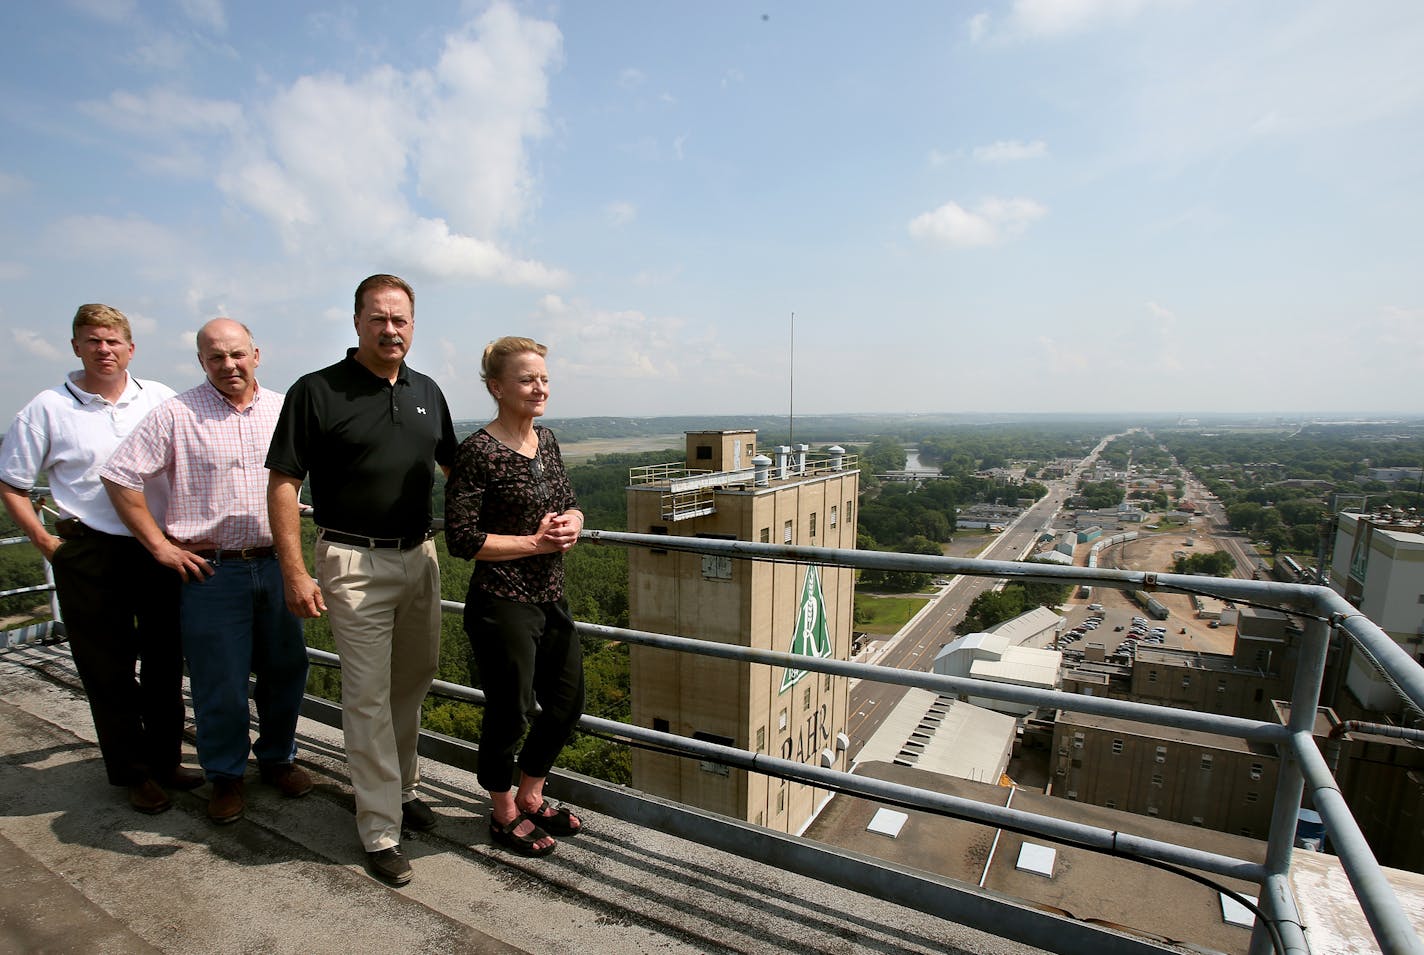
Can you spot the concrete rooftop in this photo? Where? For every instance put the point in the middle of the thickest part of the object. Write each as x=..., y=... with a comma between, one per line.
x=84, y=872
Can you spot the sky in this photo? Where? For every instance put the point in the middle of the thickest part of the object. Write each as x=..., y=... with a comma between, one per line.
x=1179, y=206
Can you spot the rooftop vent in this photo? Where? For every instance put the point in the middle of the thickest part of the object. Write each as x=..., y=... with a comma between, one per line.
x=762, y=464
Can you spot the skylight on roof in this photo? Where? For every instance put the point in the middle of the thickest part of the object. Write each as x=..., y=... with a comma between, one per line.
x=1234, y=913
x=1036, y=859
x=888, y=822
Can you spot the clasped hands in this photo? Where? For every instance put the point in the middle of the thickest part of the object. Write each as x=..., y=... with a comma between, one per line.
x=558, y=532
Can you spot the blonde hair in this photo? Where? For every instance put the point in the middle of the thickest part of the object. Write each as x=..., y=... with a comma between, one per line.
x=101, y=316
x=501, y=350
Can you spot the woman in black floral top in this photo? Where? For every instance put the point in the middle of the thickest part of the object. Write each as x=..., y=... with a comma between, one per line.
x=510, y=507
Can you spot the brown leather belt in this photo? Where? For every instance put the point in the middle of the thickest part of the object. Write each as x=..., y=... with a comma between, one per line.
x=246, y=553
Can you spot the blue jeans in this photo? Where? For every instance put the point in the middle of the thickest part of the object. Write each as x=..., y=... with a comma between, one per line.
x=234, y=623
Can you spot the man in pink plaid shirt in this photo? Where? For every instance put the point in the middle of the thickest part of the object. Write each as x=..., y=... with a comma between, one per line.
x=210, y=442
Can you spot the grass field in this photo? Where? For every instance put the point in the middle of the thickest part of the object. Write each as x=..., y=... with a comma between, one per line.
x=885, y=615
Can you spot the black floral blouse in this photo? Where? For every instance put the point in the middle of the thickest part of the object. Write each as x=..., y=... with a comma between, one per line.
x=496, y=490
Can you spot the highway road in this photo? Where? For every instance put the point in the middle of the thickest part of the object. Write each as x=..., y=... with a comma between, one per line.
x=915, y=646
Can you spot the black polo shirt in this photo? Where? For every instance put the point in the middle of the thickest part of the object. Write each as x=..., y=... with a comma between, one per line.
x=370, y=446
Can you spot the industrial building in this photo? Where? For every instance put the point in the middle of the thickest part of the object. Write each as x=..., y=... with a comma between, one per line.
x=725, y=489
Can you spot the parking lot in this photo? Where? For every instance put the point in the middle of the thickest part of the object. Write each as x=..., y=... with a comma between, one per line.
x=1149, y=552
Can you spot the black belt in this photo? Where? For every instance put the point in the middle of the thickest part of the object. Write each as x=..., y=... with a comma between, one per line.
x=72, y=528
x=246, y=553
x=375, y=543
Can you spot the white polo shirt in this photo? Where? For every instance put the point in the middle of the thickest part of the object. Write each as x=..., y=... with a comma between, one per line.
x=68, y=433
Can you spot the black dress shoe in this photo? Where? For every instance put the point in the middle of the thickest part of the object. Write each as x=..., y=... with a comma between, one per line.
x=149, y=797
x=415, y=814
x=389, y=865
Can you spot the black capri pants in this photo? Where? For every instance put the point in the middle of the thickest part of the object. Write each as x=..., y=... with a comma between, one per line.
x=527, y=653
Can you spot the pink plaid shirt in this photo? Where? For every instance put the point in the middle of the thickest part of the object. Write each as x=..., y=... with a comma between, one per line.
x=213, y=456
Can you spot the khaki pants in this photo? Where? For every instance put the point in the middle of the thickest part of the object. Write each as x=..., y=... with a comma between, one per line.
x=384, y=606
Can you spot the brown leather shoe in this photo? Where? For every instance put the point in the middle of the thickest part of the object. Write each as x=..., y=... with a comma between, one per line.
x=291, y=781
x=226, y=803
x=149, y=797
x=184, y=778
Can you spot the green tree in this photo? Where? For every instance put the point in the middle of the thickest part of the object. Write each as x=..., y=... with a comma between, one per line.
x=992, y=607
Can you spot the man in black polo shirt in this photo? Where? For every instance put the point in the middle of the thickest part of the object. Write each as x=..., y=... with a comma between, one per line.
x=369, y=432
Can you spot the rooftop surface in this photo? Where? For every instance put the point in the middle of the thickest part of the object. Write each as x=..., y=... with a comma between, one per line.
x=84, y=872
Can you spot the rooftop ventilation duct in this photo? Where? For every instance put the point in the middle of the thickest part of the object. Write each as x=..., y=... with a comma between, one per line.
x=762, y=464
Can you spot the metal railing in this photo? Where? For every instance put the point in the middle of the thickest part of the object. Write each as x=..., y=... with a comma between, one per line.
x=1322, y=609
x=1303, y=767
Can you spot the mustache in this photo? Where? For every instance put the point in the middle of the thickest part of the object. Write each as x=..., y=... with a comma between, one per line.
x=392, y=339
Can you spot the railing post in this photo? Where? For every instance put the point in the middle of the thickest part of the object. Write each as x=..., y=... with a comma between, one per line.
x=1276, y=900
x=53, y=599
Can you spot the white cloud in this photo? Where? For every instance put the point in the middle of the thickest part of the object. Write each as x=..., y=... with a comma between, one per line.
x=940, y=158
x=992, y=222
x=491, y=95
x=1164, y=316
x=165, y=111
x=1011, y=150
x=677, y=146
x=31, y=343
x=208, y=14
x=631, y=78
x=1059, y=17
x=978, y=26
x=604, y=344
x=331, y=161
x=142, y=324
x=163, y=52
x=619, y=214
x=733, y=76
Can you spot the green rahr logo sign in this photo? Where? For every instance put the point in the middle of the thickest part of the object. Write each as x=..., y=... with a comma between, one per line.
x=810, y=637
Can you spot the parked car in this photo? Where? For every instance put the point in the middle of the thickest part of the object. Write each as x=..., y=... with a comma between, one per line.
x=1117, y=629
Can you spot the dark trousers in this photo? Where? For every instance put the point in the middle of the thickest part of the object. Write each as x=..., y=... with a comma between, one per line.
x=120, y=610
x=527, y=654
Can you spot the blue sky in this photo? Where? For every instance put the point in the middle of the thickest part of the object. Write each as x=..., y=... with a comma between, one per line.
x=1085, y=205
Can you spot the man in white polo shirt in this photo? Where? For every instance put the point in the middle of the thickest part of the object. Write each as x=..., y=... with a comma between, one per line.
x=120, y=607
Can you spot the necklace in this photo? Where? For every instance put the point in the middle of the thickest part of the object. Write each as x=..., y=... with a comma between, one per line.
x=517, y=444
